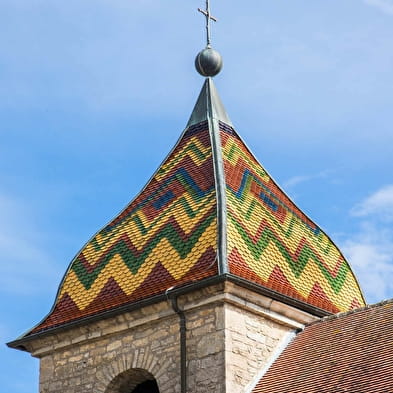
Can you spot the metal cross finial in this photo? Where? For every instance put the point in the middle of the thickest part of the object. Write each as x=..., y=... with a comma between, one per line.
x=209, y=17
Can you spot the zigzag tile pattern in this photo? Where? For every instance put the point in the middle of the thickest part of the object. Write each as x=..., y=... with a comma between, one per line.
x=165, y=237
x=272, y=243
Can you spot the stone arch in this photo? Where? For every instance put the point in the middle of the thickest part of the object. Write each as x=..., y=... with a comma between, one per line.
x=133, y=380
x=136, y=365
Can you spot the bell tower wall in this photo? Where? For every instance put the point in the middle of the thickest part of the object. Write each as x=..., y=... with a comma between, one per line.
x=231, y=335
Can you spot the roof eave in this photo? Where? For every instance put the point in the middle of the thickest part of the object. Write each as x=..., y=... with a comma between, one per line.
x=20, y=342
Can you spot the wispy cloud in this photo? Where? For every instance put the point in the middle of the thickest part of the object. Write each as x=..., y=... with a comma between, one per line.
x=296, y=180
x=385, y=6
x=379, y=204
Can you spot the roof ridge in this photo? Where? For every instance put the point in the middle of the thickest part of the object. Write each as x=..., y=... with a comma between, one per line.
x=215, y=112
x=350, y=312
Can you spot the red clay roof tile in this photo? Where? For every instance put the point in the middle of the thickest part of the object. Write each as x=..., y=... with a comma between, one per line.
x=348, y=352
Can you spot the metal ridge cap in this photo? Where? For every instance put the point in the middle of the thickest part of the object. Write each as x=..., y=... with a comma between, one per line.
x=219, y=176
x=218, y=110
x=208, y=99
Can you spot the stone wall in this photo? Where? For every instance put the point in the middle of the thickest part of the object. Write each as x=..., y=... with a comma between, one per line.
x=231, y=334
x=255, y=328
x=205, y=347
x=91, y=365
x=249, y=343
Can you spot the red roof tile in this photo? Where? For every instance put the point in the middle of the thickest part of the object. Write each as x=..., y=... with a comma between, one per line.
x=349, y=352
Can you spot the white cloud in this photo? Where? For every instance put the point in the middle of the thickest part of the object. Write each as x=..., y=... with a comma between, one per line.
x=385, y=6
x=370, y=249
x=379, y=204
x=370, y=253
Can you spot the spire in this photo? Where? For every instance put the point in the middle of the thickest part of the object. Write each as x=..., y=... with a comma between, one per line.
x=208, y=63
x=209, y=105
x=210, y=211
x=209, y=109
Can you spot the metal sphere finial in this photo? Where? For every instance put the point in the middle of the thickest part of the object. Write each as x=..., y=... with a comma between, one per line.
x=208, y=62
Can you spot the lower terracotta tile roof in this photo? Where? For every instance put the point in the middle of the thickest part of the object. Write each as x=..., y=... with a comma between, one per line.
x=349, y=352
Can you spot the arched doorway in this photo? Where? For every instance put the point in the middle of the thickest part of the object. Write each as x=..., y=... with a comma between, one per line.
x=146, y=387
x=133, y=381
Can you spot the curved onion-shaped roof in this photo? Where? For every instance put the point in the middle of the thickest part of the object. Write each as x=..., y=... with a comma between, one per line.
x=210, y=209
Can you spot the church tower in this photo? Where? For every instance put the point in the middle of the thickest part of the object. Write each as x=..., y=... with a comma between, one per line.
x=200, y=282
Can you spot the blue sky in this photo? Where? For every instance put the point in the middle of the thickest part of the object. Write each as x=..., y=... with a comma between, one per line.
x=93, y=95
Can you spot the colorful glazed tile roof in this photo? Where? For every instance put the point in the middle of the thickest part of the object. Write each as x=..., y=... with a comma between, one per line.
x=272, y=243
x=210, y=209
x=349, y=352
